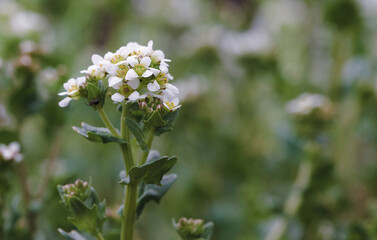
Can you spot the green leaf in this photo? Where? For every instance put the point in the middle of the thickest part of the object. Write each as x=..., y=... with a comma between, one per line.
x=138, y=133
x=208, y=230
x=153, y=192
x=73, y=235
x=96, y=94
x=85, y=218
x=169, y=118
x=96, y=134
x=155, y=120
x=152, y=172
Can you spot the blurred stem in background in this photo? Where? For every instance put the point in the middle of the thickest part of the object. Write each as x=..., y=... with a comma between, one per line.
x=294, y=200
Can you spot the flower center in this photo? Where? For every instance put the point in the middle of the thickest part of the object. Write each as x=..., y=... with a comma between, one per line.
x=122, y=71
x=139, y=69
x=117, y=58
x=162, y=79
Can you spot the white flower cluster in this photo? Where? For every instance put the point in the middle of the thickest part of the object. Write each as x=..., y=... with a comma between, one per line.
x=11, y=152
x=305, y=103
x=133, y=71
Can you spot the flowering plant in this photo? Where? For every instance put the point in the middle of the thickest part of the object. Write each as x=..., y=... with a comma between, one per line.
x=138, y=80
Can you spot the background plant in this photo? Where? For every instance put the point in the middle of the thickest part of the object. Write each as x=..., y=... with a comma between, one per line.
x=241, y=62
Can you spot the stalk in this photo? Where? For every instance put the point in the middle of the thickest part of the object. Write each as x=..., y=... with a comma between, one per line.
x=129, y=207
x=98, y=235
x=293, y=201
x=144, y=155
x=107, y=122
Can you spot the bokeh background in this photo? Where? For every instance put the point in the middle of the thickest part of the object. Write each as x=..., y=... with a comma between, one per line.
x=237, y=63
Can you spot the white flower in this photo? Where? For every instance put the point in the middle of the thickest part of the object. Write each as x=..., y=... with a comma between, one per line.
x=306, y=103
x=95, y=71
x=72, y=86
x=11, y=152
x=154, y=86
x=117, y=97
x=172, y=105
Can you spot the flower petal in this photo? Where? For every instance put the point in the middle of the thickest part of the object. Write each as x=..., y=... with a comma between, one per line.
x=131, y=75
x=115, y=82
x=64, y=102
x=69, y=83
x=63, y=93
x=146, y=61
x=153, y=86
x=147, y=73
x=134, y=96
x=133, y=83
x=155, y=71
x=172, y=88
x=112, y=69
x=164, y=69
x=96, y=59
x=132, y=61
x=117, y=97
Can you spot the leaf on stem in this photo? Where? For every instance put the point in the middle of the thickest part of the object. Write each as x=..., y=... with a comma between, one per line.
x=137, y=132
x=208, y=230
x=154, y=192
x=168, y=118
x=151, y=172
x=97, y=134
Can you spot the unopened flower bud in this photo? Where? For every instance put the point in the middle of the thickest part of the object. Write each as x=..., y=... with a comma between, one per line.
x=143, y=105
x=190, y=228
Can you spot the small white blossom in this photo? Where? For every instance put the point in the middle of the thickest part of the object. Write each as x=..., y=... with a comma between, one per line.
x=72, y=87
x=172, y=105
x=11, y=152
x=306, y=103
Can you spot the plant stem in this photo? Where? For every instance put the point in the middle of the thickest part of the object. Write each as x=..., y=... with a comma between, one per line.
x=293, y=201
x=107, y=122
x=144, y=155
x=2, y=207
x=129, y=212
x=98, y=235
x=50, y=165
x=129, y=207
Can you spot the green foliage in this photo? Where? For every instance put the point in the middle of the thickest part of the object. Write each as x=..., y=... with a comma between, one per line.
x=96, y=94
x=138, y=133
x=88, y=212
x=150, y=172
x=97, y=134
x=153, y=192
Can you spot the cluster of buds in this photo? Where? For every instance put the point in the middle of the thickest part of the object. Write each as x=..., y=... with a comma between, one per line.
x=135, y=72
x=152, y=103
x=79, y=189
x=10, y=152
x=190, y=228
x=307, y=103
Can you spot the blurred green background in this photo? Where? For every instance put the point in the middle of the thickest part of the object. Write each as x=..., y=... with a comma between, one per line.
x=237, y=63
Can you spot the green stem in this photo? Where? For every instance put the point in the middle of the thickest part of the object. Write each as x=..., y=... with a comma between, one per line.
x=126, y=136
x=98, y=235
x=2, y=207
x=129, y=212
x=144, y=155
x=293, y=201
x=129, y=207
x=107, y=122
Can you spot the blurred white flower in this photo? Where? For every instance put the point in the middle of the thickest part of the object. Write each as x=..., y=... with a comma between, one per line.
x=305, y=103
x=27, y=46
x=11, y=152
x=25, y=22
